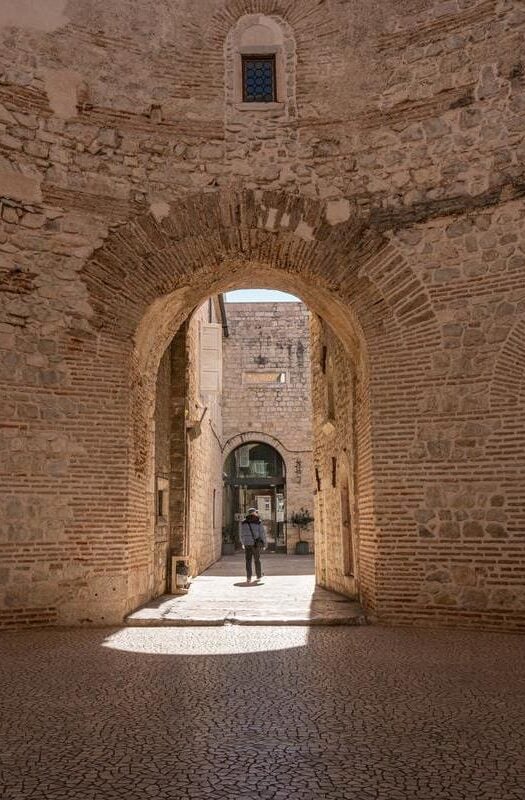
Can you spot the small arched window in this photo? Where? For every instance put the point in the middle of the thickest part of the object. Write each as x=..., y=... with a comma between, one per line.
x=260, y=47
x=260, y=63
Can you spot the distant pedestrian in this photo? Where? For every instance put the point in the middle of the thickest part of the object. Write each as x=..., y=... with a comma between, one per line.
x=253, y=540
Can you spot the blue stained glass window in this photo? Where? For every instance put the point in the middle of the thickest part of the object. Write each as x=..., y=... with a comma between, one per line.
x=258, y=79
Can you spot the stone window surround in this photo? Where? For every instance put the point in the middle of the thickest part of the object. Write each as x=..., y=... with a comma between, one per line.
x=283, y=48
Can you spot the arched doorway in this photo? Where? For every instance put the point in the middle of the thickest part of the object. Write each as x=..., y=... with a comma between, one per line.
x=145, y=281
x=255, y=476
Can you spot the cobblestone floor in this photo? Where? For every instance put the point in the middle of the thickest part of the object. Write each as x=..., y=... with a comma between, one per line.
x=259, y=712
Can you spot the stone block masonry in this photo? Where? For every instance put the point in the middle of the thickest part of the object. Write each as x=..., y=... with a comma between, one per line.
x=385, y=187
x=204, y=452
x=188, y=457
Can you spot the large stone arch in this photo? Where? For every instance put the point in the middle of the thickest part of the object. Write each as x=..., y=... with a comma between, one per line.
x=439, y=448
x=152, y=271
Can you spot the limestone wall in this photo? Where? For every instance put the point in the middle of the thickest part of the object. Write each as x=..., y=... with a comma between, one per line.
x=385, y=187
x=164, y=423
x=271, y=338
x=188, y=455
x=448, y=521
x=344, y=525
x=204, y=454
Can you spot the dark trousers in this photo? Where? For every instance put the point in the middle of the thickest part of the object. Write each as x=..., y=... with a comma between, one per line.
x=252, y=551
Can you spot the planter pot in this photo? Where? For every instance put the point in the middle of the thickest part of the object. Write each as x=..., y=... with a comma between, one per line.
x=228, y=548
x=302, y=549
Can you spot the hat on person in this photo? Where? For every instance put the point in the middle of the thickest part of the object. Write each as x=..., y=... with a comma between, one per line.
x=252, y=511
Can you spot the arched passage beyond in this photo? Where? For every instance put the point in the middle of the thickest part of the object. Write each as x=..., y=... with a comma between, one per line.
x=253, y=436
x=151, y=273
x=255, y=476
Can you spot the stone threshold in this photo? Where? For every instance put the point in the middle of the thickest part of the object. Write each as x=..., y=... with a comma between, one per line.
x=163, y=612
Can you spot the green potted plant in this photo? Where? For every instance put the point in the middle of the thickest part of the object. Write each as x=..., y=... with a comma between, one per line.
x=228, y=540
x=301, y=520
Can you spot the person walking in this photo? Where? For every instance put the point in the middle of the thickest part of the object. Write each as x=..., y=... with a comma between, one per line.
x=253, y=540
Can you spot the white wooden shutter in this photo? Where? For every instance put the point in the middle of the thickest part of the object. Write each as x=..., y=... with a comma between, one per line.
x=210, y=357
x=264, y=506
x=244, y=456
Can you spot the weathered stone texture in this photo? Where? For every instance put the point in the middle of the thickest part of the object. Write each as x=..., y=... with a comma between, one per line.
x=334, y=382
x=204, y=455
x=385, y=188
x=188, y=455
x=165, y=419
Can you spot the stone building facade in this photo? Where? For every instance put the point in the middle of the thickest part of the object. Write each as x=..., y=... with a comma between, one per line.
x=206, y=408
x=267, y=394
x=187, y=491
x=383, y=184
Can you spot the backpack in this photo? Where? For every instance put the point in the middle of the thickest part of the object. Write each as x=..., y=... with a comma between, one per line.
x=257, y=541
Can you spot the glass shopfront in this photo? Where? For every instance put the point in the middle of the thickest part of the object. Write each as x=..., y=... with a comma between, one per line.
x=254, y=476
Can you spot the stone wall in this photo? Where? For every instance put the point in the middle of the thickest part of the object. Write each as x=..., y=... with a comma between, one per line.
x=187, y=454
x=463, y=523
x=165, y=421
x=204, y=453
x=448, y=521
x=177, y=415
x=384, y=187
x=271, y=338
x=343, y=527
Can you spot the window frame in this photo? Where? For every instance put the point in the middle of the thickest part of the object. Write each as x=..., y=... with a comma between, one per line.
x=271, y=57
x=162, y=500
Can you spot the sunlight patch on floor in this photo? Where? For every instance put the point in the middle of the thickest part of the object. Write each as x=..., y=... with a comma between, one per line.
x=197, y=641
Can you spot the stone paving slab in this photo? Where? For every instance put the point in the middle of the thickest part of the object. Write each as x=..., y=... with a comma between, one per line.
x=287, y=595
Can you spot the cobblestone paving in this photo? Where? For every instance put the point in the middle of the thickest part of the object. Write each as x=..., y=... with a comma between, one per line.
x=259, y=712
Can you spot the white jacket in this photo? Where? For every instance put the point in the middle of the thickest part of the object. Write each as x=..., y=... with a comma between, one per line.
x=258, y=531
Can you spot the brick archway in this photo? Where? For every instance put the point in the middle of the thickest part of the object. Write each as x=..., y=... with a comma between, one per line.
x=253, y=436
x=287, y=456
x=153, y=271
x=232, y=487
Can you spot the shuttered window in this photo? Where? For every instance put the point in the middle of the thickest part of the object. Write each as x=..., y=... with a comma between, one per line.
x=210, y=357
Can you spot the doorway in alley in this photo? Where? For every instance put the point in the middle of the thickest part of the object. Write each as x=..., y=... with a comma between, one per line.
x=255, y=476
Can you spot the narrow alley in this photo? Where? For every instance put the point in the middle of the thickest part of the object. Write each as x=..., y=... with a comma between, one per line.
x=286, y=595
